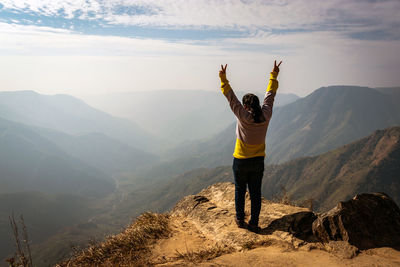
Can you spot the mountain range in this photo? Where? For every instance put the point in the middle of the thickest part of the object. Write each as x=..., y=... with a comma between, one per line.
x=326, y=119
x=101, y=151
x=40, y=180
x=70, y=115
x=30, y=162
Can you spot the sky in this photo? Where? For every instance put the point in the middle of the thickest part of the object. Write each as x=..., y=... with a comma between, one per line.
x=89, y=47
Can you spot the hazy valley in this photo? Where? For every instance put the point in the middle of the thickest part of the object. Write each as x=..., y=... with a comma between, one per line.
x=76, y=172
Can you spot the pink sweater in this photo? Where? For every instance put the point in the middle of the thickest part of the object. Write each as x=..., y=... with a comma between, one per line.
x=250, y=136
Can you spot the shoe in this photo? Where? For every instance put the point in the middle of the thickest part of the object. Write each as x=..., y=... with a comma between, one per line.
x=240, y=223
x=253, y=228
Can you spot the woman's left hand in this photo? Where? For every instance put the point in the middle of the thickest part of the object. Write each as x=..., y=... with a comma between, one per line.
x=222, y=73
x=276, y=67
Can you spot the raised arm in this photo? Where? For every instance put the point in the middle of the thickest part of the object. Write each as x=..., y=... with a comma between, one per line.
x=271, y=91
x=236, y=107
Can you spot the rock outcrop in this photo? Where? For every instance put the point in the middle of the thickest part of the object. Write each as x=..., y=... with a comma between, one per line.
x=366, y=221
x=201, y=231
x=213, y=212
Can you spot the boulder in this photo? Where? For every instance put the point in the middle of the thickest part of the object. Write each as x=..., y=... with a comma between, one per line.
x=366, y=221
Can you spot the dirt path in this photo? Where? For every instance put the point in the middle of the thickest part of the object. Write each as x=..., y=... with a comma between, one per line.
x=275, y=256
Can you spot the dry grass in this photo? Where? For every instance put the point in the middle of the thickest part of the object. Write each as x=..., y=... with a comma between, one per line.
x=204, y=254
x=248, y=245
x=129, y=248
x=285, y=199
x=22, y=256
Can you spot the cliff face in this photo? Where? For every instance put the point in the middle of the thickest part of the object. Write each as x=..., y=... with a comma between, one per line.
x=201, y=231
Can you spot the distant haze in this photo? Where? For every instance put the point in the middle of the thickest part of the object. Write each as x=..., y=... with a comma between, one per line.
x=176, y=115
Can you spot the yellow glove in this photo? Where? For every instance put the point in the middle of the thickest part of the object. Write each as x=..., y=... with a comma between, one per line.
x=273, y=82
x=222, y=76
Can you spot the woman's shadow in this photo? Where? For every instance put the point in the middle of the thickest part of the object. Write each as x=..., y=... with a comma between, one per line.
x=298, y=224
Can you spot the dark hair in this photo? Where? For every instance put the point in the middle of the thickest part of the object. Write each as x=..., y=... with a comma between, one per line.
x=253, y=103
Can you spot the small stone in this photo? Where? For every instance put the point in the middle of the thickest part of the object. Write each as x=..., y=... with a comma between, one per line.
x=342, y=249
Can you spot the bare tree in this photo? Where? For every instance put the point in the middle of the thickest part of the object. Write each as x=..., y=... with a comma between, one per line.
x=21, y=244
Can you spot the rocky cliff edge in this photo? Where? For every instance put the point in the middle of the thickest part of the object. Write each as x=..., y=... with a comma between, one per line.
x=201, y=231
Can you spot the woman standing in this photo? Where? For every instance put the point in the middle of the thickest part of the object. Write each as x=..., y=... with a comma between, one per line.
x=248, y=157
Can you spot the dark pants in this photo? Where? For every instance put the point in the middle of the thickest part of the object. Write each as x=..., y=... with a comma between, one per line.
x=248, y=172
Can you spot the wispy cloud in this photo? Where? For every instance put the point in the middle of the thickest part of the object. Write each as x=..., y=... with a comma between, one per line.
x=182, y=42
x=356, y=19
